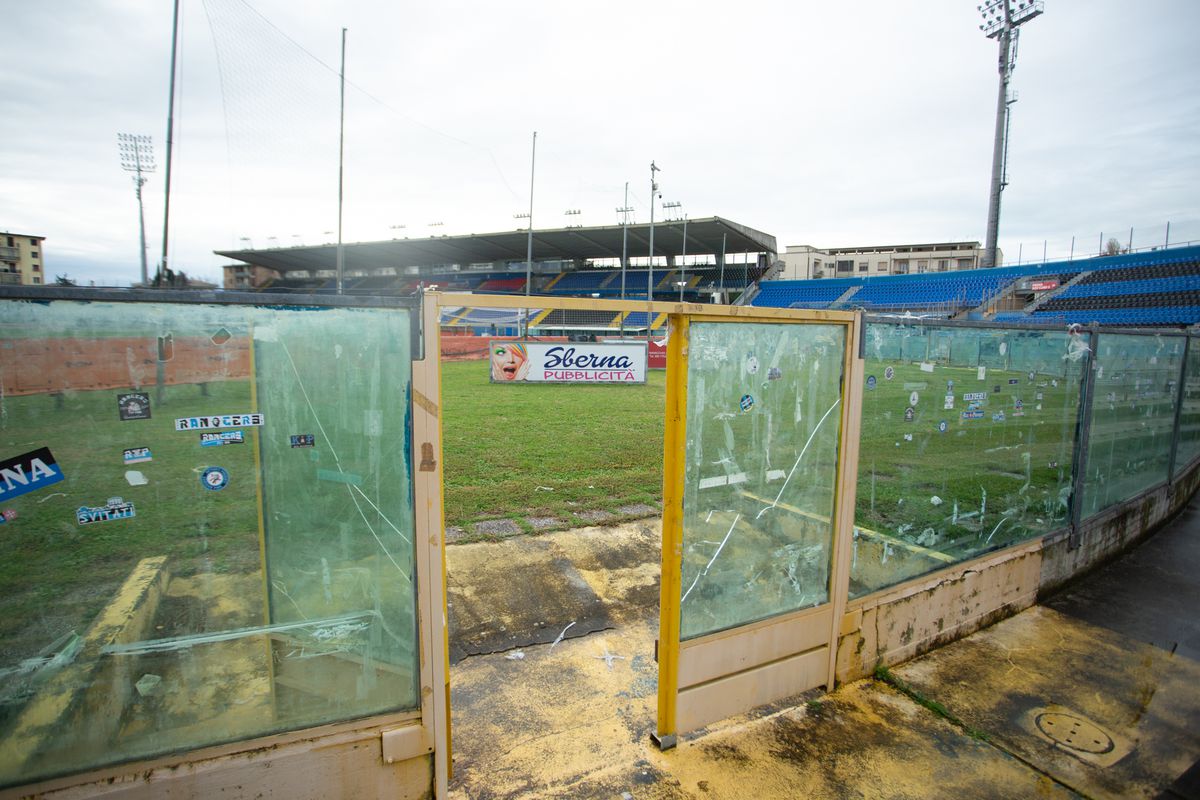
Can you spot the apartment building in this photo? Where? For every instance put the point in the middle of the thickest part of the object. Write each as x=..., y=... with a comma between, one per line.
x=21, y=260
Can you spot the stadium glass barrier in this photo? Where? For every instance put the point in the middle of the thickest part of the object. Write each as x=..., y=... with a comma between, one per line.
x=762, y=447
x=1187, y=448
x=758, y=452
x=208, y=512
x=1133, y=416
x=967, y=445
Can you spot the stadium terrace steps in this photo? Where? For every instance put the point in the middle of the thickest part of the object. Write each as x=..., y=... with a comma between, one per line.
x=1040, y=301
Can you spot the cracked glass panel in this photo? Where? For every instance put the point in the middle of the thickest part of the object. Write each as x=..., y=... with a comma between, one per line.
x=1133, y=417
x=208, y=522
x=967, y=444
x=763, y=423
x=1189, y=415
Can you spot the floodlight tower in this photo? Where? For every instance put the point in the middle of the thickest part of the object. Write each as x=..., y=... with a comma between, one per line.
x=137, y=156
x=1001, y=21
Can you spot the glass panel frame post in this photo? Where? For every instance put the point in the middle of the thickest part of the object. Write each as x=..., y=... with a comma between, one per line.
x=759, y=648
x=216, y=398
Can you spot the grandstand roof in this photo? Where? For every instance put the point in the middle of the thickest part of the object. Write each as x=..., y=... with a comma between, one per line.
x=704, y=236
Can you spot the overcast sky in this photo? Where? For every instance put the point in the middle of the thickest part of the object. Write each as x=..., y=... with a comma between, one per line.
x=830, y=124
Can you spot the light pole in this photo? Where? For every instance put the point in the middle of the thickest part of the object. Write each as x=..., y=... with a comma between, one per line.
x=650, y=271
x=529, y=240
x=676, y=205
x=137, y=156
x=572, y=212
x=1001, y=19
x=624, y=212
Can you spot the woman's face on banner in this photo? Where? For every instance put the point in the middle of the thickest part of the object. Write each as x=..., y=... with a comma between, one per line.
x=507, y=360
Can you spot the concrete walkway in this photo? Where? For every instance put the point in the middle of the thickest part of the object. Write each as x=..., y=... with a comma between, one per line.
x=1094, y=694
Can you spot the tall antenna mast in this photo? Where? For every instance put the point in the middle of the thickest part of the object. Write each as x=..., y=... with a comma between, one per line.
x=162, y=265
x=1001, y=19
x=341, y=253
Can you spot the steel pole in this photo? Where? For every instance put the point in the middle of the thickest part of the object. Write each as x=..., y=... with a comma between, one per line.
x=529, y=237
x=341, y=252
x=997, y=185
x=162, y=269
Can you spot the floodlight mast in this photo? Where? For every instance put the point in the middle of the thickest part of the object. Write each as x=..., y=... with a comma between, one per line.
x=1001, y=19
x=137, y=156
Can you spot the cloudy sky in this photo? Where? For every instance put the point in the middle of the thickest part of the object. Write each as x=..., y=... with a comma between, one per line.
x=831, y=124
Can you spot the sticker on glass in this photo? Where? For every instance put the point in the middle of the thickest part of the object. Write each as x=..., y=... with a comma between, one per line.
x=909, y=414
x=981, y=373
x=752, y=365
x=7, y=515
x=908, y=437
x=747, y=402
x=889, y=373
x=218, y=438
x=1031, y=377
x=972, y=396
x=28, y=472
x=1003, y=348
x=870, y=381
x=1013, y=381
x=949, y=403
x=214, y=479
x=913, y=398
x=303, y=440
x=998, y=416
x=220, y=421
x=973, y=413
x=136, y=455
x=949, y=387
x=1018, y=408
x=774, y=374
x=942, y=426
x=134, y=405
x=114, y=509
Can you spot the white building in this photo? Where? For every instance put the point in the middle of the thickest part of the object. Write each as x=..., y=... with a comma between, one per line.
x=802, y=262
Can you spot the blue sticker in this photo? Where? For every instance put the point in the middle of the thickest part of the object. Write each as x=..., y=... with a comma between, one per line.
x=136, y=455
x=115, y=508
x=942, y=426
x=747, y=402
x=28, y=472
x=974, y=413
x=218, y=438
x=889, y=373
x=949, y=387
x=998, y=416
x=303, y=440
x=214, y=479
x=870, y=381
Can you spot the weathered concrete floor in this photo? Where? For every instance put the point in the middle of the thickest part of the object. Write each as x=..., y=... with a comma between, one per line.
x=564, y=721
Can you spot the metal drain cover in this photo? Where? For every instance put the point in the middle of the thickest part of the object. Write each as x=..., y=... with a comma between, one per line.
x=1071, y=732
x=1074, y=732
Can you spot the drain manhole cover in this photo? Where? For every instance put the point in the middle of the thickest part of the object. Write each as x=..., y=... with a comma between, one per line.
x=1074, y=732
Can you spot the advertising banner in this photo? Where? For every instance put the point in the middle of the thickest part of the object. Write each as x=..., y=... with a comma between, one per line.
x=1043, y=286
x=518, y=361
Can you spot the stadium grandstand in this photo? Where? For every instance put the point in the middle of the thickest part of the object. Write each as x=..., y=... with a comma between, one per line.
x=716, y=262
x=1159, y=287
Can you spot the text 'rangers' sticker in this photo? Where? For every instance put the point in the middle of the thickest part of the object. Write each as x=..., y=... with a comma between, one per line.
x=136, y=455
x=116, y=508
x=220, y=421
x=28, y=472
x=303, y=440
x=218, y=438
x=214, y=479
x=134, y=405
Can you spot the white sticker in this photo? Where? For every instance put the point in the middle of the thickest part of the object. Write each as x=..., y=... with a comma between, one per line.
x=982, y=373
x=913, y=398
x=135, y=478
x=752, y=365
x=926, y=367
